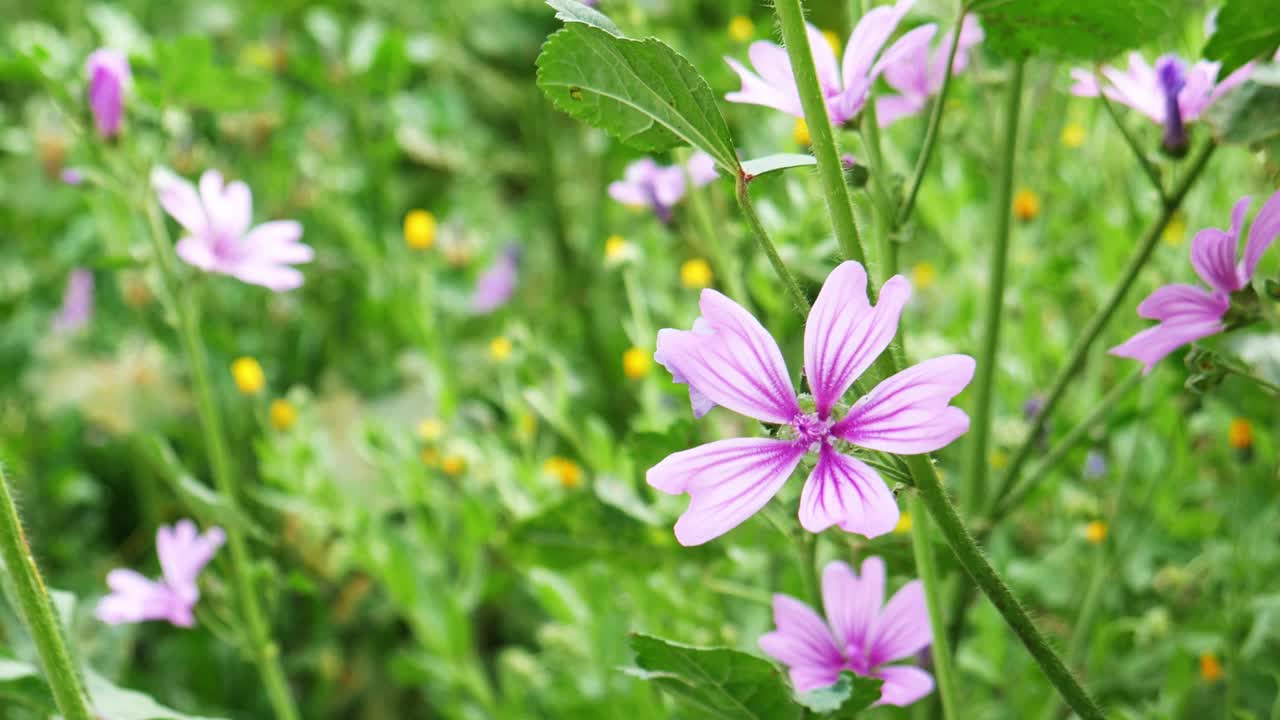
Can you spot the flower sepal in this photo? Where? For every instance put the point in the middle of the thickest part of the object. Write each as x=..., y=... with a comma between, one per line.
x=1207, y=370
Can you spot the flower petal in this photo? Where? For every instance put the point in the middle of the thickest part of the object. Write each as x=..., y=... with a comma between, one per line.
x=1152, y=345
x=1213, y=255
x=1138, y=87
x=277, y=278
x=178, y=197
x=870, y=34
x=196, y=251
x=277, y=242
x=802, y=640
x=910, y=74
x=1184, y=303
x=844, y=334
x=183, y=555
x=847, y=492
x=903, y=627
x=1085, y=83
x=852, y=603
x=909, y=413
x=913, y=44
x=824, y=61
x=727, y=481
x=756, y=91
x=731, y=360
x=134, y=598
x=903, y=684
x=1263, y=232
x=229, y=207
x=892, y=108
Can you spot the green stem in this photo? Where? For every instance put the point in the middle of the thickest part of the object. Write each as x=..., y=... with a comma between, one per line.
x=762, y=237
x=266, y=652
x=984, y=384
x=639, y=309
x=971, y=558
x=1148, y=169
x=935, y=121
x=922, y=547
x=37, y=611
x=1076, y=357
x=887, y=254
x=822, y=140
x=1270, y=387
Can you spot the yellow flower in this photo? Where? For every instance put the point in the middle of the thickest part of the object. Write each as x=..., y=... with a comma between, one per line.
x=834, y=41
x=430, y=429
x=1240, y=434
x=1026, y=205
x=801, y=132
x=453, y=465
x=564, y=470
x=1175, y=232
x=998, y=459
x=430, y=457
x=1095, y=532
x=923, y=275
x=1210, y=667
x=616, y=249
x=695, y=273
x=527, y=425
x=904, y=524
x=499, y=349
x=1073, y=135
x=248, y=375
x=635, y=363
x=283, y=414
x=419, y=229
x=741, y=29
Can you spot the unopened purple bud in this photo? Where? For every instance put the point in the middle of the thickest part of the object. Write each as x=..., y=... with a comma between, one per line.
x=1172, y=75
x=108, y=77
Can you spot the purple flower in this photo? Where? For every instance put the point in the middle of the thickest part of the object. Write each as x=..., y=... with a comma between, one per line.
x=77, y=302
x=729, y=359
x=71, y=176
x=219, y=240
x=1188, y=313
x=860, y=634
x=497, y=282
x=108, y=77
x=918, y=76
x=183, y=554
x=846, y=85
x=645, y=183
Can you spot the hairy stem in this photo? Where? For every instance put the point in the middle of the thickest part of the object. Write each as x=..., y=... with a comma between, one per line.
x=762, y=237
x=922, y=548
x=37, y=611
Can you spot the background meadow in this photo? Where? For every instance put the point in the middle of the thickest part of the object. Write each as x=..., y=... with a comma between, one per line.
x=445, y=510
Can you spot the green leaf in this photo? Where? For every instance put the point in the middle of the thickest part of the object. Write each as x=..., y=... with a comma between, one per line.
x=204, y=503
x=775, y=163
x=582, y=529
x=640, y=91
x=118, y=703
x=1246, y=30
x=849, y=696
x=21, y=686
x=185, y=73
x=720, y=682
x=574, y=11
x=1250, y=114
x=1079, y=29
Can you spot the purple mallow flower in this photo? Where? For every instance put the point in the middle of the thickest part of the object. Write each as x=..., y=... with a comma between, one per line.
x=861, y=633
x=645, y=183
x=109, y=77
x=1188, y=313
x=77, y=302
x=919, y=75
x=219, y=239
x=844, y=85
x=497, y=282
x=729, y=359
x=183, y=554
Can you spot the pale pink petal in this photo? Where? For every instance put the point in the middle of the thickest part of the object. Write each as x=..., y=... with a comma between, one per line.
x=196, y=251
x=178, y=197
x=702, y=168
x=731, y=360
x=183, y=553
x=628, y=193
x=802, y=639
x=1085, y=83
x=1183, y=302
x=727, y=481
x=912, y=44
x=755, y=91
x=278, y=278
x=909, y=413
x=870, y=34
x=844, y=334
x=1263, y=232
x=1196, y=91
x=852, y=603
x=910, y=75
x=902, y=630
x=1152, y=345
x=806, y=678
x=847, y=492
x=1137, y=88
x=135, y=599
x=892, y=108
x=824, y=61
x=668, y=185
x=229, y=207
x=277, y=242
x=903, y=684
x=1232, y=81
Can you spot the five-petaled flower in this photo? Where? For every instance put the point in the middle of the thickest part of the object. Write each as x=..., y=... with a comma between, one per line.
x=859, y=633
x=845, y=85
x=183, y=554
x=1188, y=313
x=918, y=76
x=219, y=239
x=109, y=78
x=729, y=359
x=645, y=183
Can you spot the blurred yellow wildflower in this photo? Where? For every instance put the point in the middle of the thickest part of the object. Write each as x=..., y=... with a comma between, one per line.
x=430, y=457
x=801, y=132
x=1026, y=205
x=1175, y=232
x=741, y=29
x=499, y=349
x=1073, y=135
x=453, y=465
x=998, y=459
x=904, y=524
x=564, y=470
x=419, y=229
x=695, y=273
x=283, y=414
x=1095, y=532
x=924, y=275
x=635, y=363
x=1240, y=434
x=616, y=250
x=1210, y=667
x=430, y=429
x=248, y=375
x=526, y=425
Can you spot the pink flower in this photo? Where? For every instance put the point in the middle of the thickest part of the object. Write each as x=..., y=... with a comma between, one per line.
x=918, y=76
x=77, y=302
x=498, y=282
x=1188, y=313
x=859, y=634
x=183, y=554
x=645, y=183
x=729, y=359
x=219, y=240
x=845, y=86
x=109, y=77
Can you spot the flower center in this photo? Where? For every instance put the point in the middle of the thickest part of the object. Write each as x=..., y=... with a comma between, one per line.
x=811, y=430
x=856, y=659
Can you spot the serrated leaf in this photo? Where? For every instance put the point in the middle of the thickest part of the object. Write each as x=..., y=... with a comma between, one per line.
x=1077, y=29
x=573, y=11
x=1250, y=114
x=640, y=91
x=775, y=163
x=1246, y=30
x=719, y=682
x=850, y=695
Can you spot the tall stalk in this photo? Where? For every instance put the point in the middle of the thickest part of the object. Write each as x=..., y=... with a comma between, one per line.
x=37, y=612
x=922, y=549
x=265, y=651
